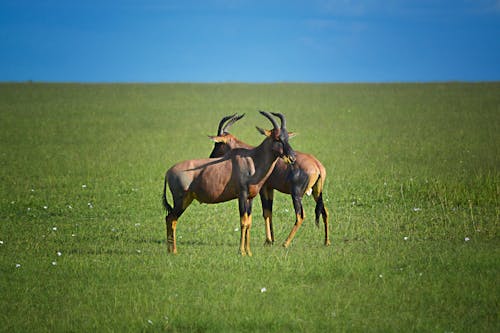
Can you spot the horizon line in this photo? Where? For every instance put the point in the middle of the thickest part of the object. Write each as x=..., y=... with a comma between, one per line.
x=245, y=82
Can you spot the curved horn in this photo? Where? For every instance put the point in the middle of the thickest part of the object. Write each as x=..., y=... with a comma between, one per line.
x=220, y=129
x=233, y=119
x=282, y=118
x=268, y=116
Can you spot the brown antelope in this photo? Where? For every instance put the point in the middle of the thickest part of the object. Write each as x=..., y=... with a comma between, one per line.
x=238, y=174
x=306, y=175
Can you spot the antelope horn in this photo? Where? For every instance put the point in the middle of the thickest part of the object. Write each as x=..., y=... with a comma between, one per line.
x=282, y=118
x=220, y=129
x=268, y=116
x=233, y=119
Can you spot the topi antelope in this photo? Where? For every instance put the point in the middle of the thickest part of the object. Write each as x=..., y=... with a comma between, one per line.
x=307, y=175
x=238, y=174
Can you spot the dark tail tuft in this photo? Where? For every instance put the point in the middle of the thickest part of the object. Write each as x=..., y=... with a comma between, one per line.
x=164, y=198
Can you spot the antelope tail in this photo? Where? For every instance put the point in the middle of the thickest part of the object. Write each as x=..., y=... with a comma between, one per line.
x=164, y=198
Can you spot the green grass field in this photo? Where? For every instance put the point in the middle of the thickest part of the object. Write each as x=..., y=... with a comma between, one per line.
x=413, y=192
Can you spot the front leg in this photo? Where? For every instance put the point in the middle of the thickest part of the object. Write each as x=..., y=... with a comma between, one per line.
x=266, y=198
x=299, y=217
x=245, y=207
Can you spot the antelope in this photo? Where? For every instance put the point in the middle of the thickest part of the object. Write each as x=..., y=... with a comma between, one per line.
x=306, y=176
x=240, y=173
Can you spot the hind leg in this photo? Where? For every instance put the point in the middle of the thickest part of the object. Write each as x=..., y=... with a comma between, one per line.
x=171, y=224
x=324, y=214
x=180, y=206
x=321, y=210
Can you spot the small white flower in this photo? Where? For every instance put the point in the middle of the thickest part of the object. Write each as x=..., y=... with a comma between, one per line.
x=70, y=207
x=467, y=239
x=90, y=205
x=405, y=238
x=18, y=265
x=380, y=276
x=84, y=186
x=137, y=224
x=417, y=209
x=45, y=207
x=54, y=228
x=73, y=235
x=236, y=229
x=263, y=290
x=54, y=263
x=12, y=202
x=150, y=322
x=1, y=242
x=59, y=253
x=29, y=209
x=138, y=251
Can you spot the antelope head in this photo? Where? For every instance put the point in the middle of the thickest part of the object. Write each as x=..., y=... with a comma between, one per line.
x=225, y=141
x=279, y=136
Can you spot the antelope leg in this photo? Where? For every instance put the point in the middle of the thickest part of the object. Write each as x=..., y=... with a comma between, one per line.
x=266, y=197
x=171, y=222
x=299, y=213
x=296, y=227
x=247, y=241
x=245, y=224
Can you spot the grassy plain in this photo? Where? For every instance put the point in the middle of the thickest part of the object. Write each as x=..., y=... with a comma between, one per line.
x=413, y=191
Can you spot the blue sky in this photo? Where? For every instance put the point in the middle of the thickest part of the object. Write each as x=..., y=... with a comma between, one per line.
x=250, y=41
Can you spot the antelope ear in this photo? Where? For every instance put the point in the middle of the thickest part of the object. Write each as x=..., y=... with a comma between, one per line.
x=218, y=138
x=263, y=131
x=291, y=134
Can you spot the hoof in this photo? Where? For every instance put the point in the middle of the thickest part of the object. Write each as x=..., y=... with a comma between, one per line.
x=268, y=243
x=328, y=243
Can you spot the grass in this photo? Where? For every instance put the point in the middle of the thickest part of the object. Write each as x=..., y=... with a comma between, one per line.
x=413, y=191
